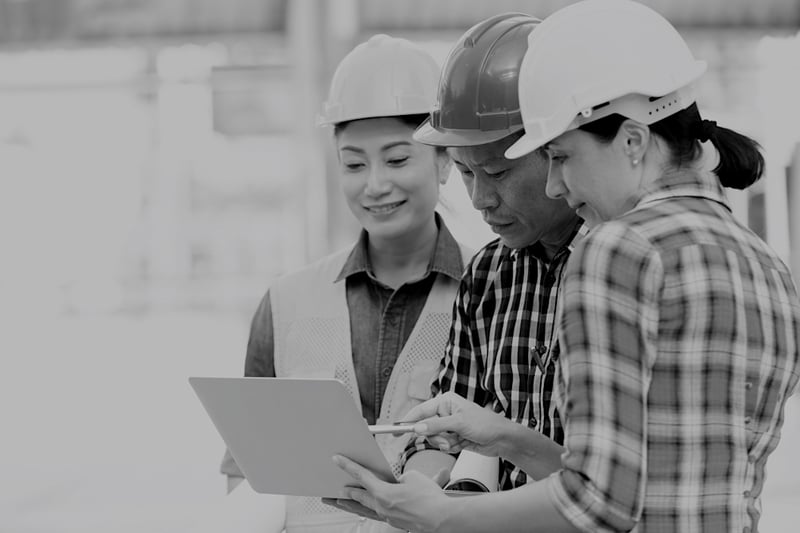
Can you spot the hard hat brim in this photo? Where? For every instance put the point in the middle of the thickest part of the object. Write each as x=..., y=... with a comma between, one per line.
x=643, y=107
x=524, y=145
x=427, y=134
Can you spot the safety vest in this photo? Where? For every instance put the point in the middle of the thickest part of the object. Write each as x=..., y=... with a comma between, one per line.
x=312, y=339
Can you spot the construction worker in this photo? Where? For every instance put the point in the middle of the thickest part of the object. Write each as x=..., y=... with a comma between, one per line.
x=376, y=315
x=499, y=355
x=679, y=329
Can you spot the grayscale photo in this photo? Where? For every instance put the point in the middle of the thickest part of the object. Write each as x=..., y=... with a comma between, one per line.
x=372, y=266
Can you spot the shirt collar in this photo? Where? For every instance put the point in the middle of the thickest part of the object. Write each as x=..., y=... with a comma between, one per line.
x=446, y=255
x=535, y=250
x=685, y=183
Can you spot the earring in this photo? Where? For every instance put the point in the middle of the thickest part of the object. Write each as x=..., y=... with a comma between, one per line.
x=634, y=161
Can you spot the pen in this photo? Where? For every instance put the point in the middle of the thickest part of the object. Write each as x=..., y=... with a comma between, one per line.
x=400, y=427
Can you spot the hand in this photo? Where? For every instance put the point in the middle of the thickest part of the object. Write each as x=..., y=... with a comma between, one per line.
x=453, y=423
x=433, y=463
x=414, y=503
x=352, y=506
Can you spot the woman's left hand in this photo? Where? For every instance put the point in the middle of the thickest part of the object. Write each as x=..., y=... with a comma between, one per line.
x=414, y=503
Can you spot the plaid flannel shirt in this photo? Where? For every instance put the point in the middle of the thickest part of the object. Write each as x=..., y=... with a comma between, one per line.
x=498, y=352
x=679, y=338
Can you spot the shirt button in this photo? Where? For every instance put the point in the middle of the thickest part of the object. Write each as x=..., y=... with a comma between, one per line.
x=747, y=494
x=747, y=420
x=387, y=372
x=748, y=385
x=532, y=423
x=751, y=459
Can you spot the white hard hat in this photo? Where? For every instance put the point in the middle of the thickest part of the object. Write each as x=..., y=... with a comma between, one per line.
x=599, y=57
x=382, y=77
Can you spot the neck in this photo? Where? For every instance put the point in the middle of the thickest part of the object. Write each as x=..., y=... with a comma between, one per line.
x=552, y=244
x=403, y=259
x=655, y=164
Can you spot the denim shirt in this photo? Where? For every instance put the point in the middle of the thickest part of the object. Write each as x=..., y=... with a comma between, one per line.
x=381, y=318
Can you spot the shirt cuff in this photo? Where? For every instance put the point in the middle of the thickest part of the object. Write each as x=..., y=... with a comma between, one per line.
x=576, y=513
x=417, y=445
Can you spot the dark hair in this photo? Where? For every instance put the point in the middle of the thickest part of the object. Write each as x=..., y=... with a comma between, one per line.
x=740, y=161
x=413, y=121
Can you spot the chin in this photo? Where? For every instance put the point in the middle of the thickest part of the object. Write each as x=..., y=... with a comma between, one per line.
x=388, y=229
x=590, y=215
x=511, y=242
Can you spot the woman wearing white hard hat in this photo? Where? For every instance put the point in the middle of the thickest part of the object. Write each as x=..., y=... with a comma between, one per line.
x=680, y=327
x=375, y=316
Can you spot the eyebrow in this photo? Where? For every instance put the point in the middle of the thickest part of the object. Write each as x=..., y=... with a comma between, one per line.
x=484, y=163
x=384, y=148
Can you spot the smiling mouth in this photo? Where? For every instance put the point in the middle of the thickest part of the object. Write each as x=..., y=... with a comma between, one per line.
x=383, y=208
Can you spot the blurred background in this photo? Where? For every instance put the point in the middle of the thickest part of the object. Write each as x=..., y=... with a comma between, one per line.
x=160, y=165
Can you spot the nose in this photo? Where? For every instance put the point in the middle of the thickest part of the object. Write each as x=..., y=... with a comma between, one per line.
x=378, y=183
x=554, y=188
x=483, y=194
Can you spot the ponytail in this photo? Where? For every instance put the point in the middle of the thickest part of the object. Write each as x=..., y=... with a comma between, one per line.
x=740, y=161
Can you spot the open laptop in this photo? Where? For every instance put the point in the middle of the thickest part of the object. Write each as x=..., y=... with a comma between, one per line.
x=282, y=432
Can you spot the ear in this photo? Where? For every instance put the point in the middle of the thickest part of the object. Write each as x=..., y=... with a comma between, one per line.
x=635, y=138
x=443, y=165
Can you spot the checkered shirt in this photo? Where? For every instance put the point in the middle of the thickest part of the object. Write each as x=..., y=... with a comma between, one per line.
x=498, y=351
x=679, y=348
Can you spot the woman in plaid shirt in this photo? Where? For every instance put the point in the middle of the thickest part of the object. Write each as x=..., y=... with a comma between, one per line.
x=679, y=332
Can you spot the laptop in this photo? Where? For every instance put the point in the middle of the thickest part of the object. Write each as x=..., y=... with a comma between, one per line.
x=283, y=432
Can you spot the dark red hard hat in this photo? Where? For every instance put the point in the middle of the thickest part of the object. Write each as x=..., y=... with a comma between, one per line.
x=477, y=101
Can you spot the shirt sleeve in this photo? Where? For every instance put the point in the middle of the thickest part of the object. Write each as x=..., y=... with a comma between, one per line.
x=259, y=362
x=260, y=358
x=608, y=330
x=459, y=370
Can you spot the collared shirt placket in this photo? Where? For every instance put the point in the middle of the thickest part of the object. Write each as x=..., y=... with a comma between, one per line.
x=390, y=341
x=543, y=354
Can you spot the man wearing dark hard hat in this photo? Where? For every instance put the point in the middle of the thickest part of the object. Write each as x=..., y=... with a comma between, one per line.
x=500, y=352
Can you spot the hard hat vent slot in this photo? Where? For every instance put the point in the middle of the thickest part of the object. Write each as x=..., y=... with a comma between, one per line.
x=559, y=80
x=663, y=107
